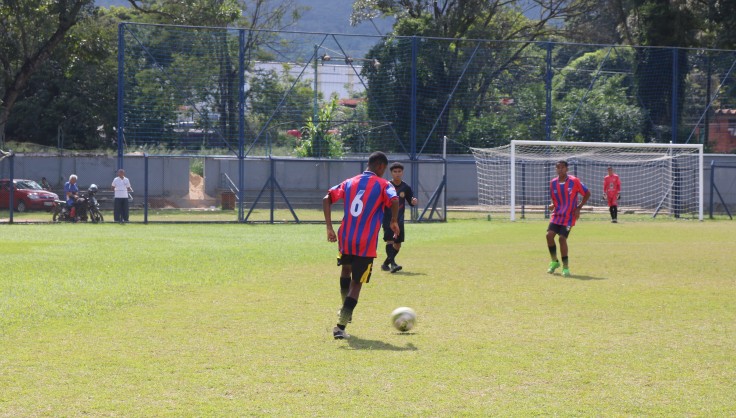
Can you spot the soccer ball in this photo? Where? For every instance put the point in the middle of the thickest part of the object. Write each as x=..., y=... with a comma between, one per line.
x=403, y=318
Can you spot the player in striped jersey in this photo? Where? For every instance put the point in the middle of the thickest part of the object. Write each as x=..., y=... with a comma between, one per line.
x=364, y=198
x=564, y=190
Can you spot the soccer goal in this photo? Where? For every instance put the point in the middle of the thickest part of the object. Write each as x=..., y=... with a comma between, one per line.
x=656, y=179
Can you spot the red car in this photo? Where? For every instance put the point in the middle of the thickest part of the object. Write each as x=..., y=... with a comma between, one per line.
x=28, y=195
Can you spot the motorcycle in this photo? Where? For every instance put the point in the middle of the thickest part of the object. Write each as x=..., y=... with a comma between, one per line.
x=85, y=208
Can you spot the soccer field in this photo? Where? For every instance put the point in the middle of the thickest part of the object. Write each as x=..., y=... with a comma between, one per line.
x=235, y=320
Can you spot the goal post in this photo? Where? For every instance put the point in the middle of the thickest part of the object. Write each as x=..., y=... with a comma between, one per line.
x=657, y=179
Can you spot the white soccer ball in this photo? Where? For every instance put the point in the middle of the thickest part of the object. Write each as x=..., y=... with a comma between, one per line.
x=403, y=318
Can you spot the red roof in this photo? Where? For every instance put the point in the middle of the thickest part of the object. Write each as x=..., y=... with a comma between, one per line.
x=351, y=102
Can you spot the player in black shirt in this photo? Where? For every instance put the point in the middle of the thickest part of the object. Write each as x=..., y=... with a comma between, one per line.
x=393, y=242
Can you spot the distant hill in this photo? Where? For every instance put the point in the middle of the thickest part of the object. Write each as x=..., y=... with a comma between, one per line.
x=323, y=16
x=330, y=16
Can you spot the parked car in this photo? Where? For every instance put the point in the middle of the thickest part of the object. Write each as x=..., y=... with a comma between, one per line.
x=28, y=195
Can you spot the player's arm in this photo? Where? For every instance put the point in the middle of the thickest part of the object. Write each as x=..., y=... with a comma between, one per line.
x=586, y=196
x=395, y=217
x=576, y=212
x=411, y=199
x=327, y=210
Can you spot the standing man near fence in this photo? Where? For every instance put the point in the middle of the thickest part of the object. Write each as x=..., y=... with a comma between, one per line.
x=364, y=198
x=121, y=187
x=612, y=193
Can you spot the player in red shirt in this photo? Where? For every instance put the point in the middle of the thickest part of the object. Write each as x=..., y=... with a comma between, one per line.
x=365, y=196
x=563, y=190
x=612, y=193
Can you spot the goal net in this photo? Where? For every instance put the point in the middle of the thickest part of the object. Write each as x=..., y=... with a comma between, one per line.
x=656, y=179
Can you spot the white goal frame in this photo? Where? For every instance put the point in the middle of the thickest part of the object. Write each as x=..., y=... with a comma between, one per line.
x=672, y=148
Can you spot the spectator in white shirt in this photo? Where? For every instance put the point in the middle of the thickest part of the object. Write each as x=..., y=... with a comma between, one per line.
x=121, y=186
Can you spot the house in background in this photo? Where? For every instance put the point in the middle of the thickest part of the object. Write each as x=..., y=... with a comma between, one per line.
x=722, y=131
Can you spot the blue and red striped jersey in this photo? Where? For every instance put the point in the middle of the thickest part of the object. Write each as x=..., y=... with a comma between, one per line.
x=565, y=198
x=365, y=197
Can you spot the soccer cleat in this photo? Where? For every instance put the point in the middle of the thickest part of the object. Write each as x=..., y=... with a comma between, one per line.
x=385, y=267
x=339, y=334
x=395, y=268
x=614, y=221
x=553, y=265
x=565, y=272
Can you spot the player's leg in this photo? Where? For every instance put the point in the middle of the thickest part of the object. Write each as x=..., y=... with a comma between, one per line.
x=344, y=282
x=611, y=200
x=395, y=267
x=388, y=238
x=614, y=213
x=564, y=234
x=386, y=266
x=345, y=264
x=397, y=246
x=361, y=268
x=551, y=232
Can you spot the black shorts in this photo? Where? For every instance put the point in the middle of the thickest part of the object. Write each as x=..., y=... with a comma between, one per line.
x=561, y=230
x=361, y=266
x=388, y=234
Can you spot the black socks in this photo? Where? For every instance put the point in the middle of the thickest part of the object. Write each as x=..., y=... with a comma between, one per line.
x=344, y=287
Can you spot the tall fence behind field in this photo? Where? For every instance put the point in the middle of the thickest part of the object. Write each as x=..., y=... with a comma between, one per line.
x=278, y=96
x=250, y=94
x=256, y=92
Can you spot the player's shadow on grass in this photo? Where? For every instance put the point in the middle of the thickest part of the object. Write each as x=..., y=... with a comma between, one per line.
x=581, y=277
x=357, y=343
x=407, y=273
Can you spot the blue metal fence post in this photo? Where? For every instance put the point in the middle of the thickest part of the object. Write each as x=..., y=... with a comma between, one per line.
x=675, y=92
x=11, y=185
x=121, y=91
x=241, y=126
x=413, y=124
x=413, y=104
x=712, y=185
x=145, y=188
x=548, y=95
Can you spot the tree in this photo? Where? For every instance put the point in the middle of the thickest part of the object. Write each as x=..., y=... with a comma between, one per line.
x=267, y=89
x=661, y=23
x=319, y=138
x=72, y=97
x=258, y=16
x=441, y=62
x=590, y=106
x=31, y=31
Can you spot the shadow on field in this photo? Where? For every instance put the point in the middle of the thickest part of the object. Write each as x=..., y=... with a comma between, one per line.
x=579, y=277
x=407, y=273
x=357, y=343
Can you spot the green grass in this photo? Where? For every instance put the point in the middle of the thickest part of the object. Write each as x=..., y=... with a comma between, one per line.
x=235, y=320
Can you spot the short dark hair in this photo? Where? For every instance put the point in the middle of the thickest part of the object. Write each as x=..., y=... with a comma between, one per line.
x=563, y=162
x=396, y=164
x=377, y=158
